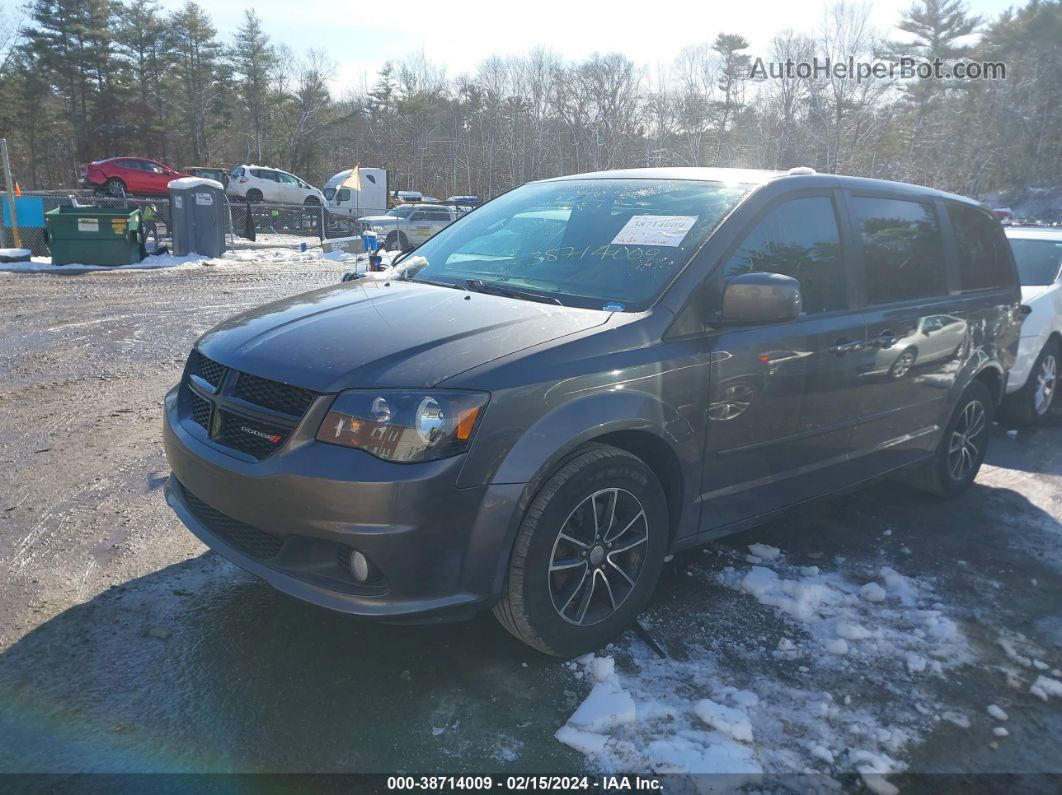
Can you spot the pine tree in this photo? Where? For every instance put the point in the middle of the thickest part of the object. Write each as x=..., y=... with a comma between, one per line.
x=254, y=59
x=196, y=60
x=71, y=42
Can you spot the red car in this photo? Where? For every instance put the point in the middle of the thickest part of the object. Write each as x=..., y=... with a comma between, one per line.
x=135, y=175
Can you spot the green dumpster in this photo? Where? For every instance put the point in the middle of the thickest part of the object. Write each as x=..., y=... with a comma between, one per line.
x=94, y=236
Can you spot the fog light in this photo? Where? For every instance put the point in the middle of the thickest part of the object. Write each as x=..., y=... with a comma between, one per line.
x=359, y=566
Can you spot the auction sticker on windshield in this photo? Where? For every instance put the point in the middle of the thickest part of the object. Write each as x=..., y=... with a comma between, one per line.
x=655, y=230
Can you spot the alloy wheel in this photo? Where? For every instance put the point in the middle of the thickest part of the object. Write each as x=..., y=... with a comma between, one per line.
x=902, y=365
x=1046, y=381
x=967, y=440
x=598, y=556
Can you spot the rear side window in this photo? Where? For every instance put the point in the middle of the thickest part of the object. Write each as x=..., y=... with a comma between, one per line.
x=1039, y=261
x=439, y=215
x=902, y=249
x=984, y=261
x=262, y=173
x=800, y=239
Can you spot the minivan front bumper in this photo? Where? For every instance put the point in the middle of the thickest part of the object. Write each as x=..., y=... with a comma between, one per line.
x=437, y=551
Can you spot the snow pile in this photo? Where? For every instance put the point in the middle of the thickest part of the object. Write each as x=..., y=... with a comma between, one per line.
x=846, y=688
x=184, y=183
x=278, y=255
x=44, y=264
x=888, y=620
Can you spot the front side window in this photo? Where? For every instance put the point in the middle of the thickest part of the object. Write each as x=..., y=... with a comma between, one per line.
x=343, y=195
x=902, y=249
x=1039, y=261
x=982, y=248
x=591, y=243
x=798, y=238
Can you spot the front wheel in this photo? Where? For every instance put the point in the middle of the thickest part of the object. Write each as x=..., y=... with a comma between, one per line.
x=1032, y=403
x=587, y=555
x=903, y=364
x=962, y=448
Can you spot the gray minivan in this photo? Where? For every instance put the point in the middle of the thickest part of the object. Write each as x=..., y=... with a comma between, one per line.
x=531, y=410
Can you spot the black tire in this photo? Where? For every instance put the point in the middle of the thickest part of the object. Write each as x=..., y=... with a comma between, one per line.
x=396, y=241
x=903, y=364
x=939, y=475
x=115, y=188
x=1029, y=405
x=583, y=487
x=254, y=195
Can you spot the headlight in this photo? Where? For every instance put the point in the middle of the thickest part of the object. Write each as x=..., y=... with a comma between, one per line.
x=404, y=426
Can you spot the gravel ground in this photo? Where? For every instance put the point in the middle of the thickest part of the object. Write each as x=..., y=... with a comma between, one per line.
x=125, y=646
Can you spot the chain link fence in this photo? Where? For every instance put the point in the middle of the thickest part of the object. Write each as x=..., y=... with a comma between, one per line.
x=264, y=223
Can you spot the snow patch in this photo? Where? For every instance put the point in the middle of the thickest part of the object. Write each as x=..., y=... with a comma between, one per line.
x=607, y=706
x=996, y=712
x=701, y=713
x=1048, y=686
x=764, y=551
x=730, y=721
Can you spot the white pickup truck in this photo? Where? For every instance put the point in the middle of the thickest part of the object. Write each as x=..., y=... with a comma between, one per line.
x=409, y=225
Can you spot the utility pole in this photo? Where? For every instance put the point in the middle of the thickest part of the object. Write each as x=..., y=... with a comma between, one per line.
x=10, y=182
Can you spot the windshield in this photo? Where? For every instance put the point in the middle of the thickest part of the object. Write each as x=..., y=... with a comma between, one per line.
x=601, y=243
x=402, y=212
x=1038, y=260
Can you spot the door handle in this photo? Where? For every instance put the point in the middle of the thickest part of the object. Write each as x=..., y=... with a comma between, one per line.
x=844, y=345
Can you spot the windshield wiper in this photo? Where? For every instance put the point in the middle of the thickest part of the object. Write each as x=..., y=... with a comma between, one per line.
x=436, y=283
x=493, y=288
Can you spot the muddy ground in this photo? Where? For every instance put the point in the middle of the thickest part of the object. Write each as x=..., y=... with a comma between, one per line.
x=126, y=646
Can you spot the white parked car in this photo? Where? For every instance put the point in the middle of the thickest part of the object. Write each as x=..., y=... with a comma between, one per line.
x=262, y=184
x=409, y=225
x=1034, y=376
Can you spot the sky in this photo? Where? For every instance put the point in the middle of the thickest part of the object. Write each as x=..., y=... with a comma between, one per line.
x=459, y=34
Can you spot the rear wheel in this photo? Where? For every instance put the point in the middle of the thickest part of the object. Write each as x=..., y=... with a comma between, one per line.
x=254, y=195
x=115, y=187
x=587, y=555
x=396, y=241
x=1032, y=403
x=962, y=448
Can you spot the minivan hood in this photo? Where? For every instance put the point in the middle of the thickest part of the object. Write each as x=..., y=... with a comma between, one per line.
x=385, y=334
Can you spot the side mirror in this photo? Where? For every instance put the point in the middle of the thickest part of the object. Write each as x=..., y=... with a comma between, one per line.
x=761, y=298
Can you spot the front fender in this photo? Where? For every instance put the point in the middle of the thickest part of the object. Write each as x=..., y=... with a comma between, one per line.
x=573, y=424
